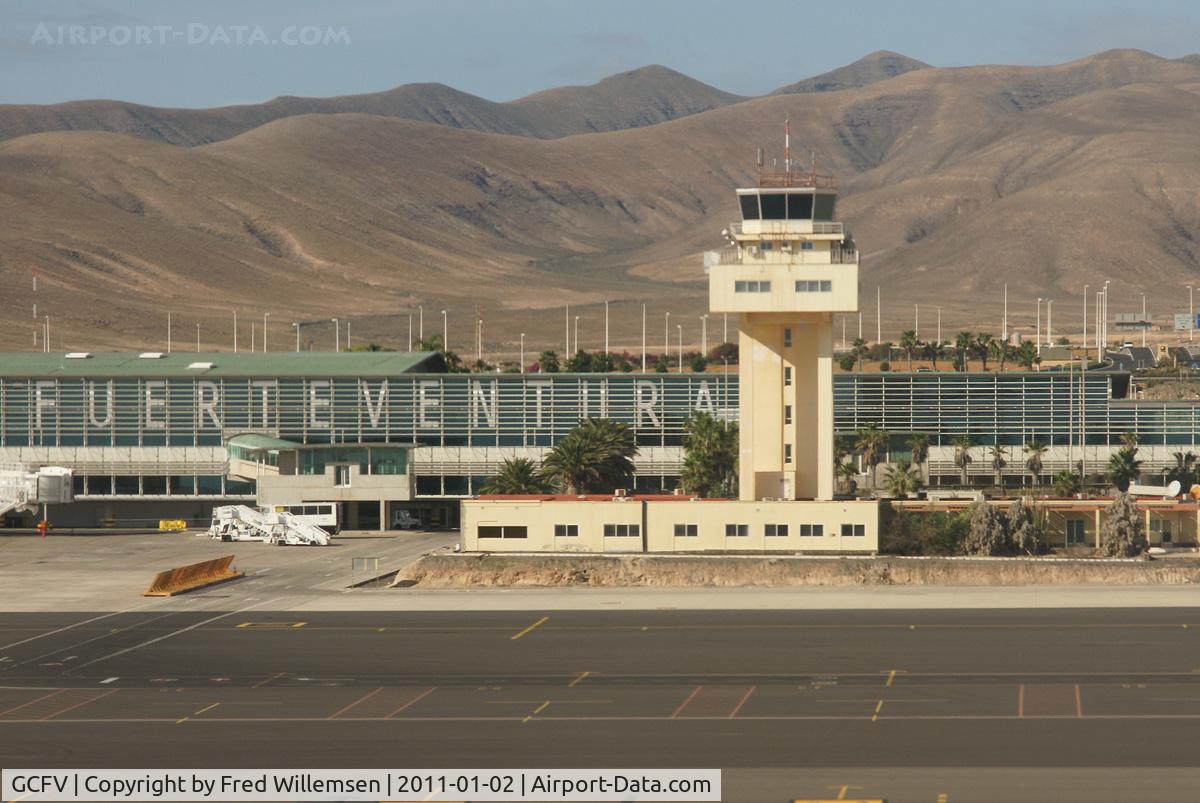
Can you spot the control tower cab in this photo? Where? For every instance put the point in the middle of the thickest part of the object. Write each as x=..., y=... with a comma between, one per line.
x=787, y=268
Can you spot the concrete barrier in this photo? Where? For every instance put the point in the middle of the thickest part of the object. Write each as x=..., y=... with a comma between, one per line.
x=193, y=576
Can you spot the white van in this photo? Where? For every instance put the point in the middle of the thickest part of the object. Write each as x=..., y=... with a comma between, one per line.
x=325, y=515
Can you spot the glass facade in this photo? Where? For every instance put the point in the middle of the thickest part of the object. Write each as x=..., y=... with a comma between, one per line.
x=379, y=419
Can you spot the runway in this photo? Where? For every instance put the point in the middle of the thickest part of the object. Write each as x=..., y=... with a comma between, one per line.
x=904, y=705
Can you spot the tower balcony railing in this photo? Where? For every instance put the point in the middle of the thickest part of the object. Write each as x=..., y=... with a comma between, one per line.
x=734, y=255
x=784, y=227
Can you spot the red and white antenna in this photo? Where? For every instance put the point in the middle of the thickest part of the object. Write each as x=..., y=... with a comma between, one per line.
x=787, y=145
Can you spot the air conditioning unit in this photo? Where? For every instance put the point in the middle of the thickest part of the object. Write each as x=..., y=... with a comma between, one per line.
x=620, y=493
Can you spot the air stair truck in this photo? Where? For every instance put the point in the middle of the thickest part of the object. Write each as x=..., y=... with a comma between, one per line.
x=243, y=523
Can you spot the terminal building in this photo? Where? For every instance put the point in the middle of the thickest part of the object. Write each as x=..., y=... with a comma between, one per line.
x=169, y=436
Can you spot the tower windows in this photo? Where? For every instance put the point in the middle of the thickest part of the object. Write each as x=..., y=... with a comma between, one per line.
x=787, y=453
x=751, y=286
x=814, y=285
x=787, y=337
x=787, y=376
x=787, y=414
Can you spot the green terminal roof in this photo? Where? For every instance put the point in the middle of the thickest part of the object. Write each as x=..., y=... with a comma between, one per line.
x=224, y=363
x=255, y=441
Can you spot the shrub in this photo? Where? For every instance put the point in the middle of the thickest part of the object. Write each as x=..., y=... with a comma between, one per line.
x=920, y=533
x=1123, y=533
x=988, y=533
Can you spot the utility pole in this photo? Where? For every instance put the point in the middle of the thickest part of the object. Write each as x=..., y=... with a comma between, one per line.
x=235, y=331
x=1004, y=325
x=1039, y=325
x=168, y=333
x=679, y=326
x=606, y=327
x=878, y=316
x=643, y=338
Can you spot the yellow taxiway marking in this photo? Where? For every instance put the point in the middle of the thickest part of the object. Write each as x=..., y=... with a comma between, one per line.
x=261, y=683
x=545, y=704
x=577, y=680
x=533, y=626
x=943, y=798
x=878, y=706
x=272, y=625
x=205, y=708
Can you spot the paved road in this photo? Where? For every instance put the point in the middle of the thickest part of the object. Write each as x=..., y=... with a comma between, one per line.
x=790, y=703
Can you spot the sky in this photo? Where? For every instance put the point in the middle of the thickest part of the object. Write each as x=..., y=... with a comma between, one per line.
x=219, y=52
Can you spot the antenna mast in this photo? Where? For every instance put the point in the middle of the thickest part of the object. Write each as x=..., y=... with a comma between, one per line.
x=787, y=145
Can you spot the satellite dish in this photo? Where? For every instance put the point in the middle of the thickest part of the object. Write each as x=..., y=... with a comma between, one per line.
x=1174, y=488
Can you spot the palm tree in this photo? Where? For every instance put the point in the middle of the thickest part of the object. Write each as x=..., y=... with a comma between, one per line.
x=860, y=350
x=1123, y=468
x=1184, y=470
x=901, y=478
x=998, y=350
x=1027, y=355
x=983, y=347
x=909, y=342
x=998, y=454
x=918, y=443
x=1067, y=484
x=962, y=454
x=1129, y=440
x=710, y=456
x=932, y=351
x=871, y=443
x=595, y=456
x=516, y=475
x=963, y=343
x=1036, y=451
x=845, y=472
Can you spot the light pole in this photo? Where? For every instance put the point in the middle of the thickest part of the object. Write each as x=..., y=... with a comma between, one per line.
x=197, y=338
x=296, y=326
x=479, y=339
x=1191, y=315
x=348, y=320
x=1049, y=302
x=420, y=322
x=410, y=332
x=235, y=331
x=576, y=335
x=667, y=336
x=643, y=338
x=1039, y=325
x=267, y=315
x=445, y=332
x=917, y=320
x=704, y=335
x=1104, y=302
x=1004, y=325
x=939, y=337
x=522, y=352
x=337, y=334
x=606, y=327
x=1143, y=323
x=168, y=333
x=725, y=327
x=679, y=326
x=1085, y=349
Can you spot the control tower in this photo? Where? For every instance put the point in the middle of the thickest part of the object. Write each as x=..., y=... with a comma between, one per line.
x=788, y=267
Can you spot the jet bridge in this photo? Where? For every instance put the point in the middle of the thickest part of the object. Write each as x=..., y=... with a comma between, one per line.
x=24, y=489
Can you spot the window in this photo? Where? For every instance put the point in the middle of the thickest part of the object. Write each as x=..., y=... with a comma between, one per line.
x=749, y=206
x=787, y=453
x=787, y=413
x=787, y=336
x=686, y=530
x=1076, y=532
x=799, y=206
x=806, y=245
x=492, y=531
x=751, y=286
x=776, y=530
x=773, y=206
x=826, y=285
x=787, y=376
x=737, y=530
x=622, y=530
x=767, y=245
x=341, y=476
x=812, y=530
x=566, y=530
x=814, y=285
x=854, y=529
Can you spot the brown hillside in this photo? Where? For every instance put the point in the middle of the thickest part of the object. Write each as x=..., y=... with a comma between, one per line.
x=950, y=186
x=877, y=66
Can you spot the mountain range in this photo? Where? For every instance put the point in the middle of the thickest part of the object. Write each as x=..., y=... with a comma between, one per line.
x=955, y=182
